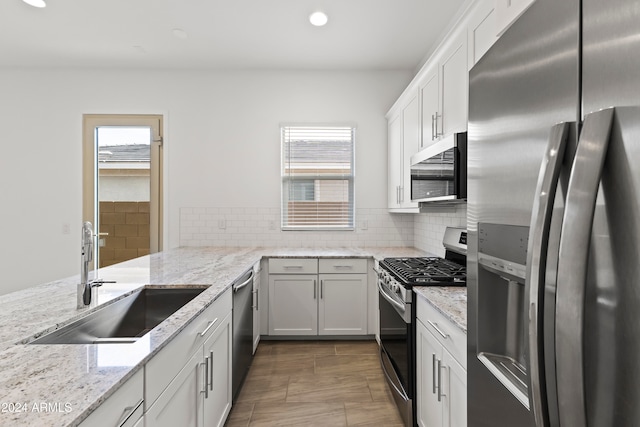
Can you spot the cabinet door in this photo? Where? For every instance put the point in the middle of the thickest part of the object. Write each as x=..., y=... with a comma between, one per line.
x=342, y=308
x=428, y=352
x=430, y=107
x=181, y=402
x=455, y=408
x=395, y=162
x=218, y=350
x=454, y=86
x=293, y=306
x=410, y=145
x=482, y=32
x=123, y=407
x=508, y=11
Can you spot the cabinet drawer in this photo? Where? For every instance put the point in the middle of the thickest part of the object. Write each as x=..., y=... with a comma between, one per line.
x=165, y=365
x=343, y=265
x=123, y=407
x=449, y=335
x=293, y=266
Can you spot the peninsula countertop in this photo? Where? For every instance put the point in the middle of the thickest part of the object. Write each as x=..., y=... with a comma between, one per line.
x=69, y=379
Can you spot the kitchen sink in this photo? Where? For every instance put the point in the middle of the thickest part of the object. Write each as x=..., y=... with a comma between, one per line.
x=125, y=320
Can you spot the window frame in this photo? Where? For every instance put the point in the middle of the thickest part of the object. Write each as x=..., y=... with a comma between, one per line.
x=284, y=179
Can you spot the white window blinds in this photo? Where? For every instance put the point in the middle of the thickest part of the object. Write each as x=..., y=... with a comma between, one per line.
x=317, y=177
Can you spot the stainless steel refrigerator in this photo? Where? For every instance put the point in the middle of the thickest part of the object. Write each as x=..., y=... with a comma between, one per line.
x=554, y=220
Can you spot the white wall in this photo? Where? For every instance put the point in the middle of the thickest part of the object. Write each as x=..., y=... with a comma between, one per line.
x=222, y=146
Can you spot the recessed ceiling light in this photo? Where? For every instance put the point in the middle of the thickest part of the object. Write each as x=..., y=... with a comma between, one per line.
x=35, y=3
x=318, y=19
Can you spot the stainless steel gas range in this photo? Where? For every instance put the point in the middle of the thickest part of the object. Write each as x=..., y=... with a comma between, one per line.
x=396, y=278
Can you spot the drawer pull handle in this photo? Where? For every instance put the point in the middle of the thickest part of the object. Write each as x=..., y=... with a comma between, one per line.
x=209, y=326
x=206, y=378
x=435, y=326
x=433, y=372
x=440, y=394
x=128, y=412
x=211, y=371
x=293, y=267
x=343, y=267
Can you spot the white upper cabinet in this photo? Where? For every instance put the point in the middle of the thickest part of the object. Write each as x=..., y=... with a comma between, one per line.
x=507, y=11
x=444, y=88
x=403, y=142
x=482, y=31
x=430, y=100
x=454, y=86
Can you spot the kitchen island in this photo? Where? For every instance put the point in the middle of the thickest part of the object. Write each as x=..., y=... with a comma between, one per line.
x=61, y=384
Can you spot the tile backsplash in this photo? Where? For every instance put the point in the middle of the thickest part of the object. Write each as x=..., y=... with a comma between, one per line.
x=429, y=227
x=213, y=226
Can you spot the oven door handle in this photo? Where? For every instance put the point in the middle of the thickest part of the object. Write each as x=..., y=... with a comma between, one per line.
x=393, y=302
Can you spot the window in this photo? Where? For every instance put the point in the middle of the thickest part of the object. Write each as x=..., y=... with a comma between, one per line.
x=317, y=177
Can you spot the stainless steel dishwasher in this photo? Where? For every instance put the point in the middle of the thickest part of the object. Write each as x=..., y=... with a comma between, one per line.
x=242, y=330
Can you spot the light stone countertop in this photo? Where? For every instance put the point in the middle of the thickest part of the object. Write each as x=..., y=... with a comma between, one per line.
x=75, y=379
x=448, y=300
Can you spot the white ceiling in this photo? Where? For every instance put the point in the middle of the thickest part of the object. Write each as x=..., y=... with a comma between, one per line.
x=229, y=34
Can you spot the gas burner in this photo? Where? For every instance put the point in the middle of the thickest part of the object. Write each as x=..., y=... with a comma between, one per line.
x=426, y=271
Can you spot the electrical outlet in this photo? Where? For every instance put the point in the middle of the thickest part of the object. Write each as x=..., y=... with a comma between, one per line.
x=364, y=225
x=66, y=228
x=222, y=224
x=272, y=225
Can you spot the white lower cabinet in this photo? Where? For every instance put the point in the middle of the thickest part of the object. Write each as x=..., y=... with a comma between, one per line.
x=441, y=385
x=293, y=306
x=199, y=393
x=342, y=307
x=123, y=408
x=333, y=302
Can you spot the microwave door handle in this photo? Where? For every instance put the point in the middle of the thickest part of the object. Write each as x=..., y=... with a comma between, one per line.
x=573, y=263
x=536, y=263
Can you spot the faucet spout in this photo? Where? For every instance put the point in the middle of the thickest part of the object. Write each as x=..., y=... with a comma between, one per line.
x=86, y=250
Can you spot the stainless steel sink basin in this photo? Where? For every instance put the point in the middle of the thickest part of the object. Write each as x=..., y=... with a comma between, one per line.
x=125, y=320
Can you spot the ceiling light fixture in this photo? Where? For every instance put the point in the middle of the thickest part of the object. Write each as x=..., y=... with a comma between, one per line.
x=35, y=3
x=318, y=19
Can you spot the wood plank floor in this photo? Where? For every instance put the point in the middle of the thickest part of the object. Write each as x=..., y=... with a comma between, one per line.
x=315, y=383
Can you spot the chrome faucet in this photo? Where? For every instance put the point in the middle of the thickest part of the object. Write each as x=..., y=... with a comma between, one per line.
x=85, y=285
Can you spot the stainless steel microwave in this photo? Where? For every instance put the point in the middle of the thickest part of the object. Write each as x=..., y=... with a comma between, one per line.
x=439, y=171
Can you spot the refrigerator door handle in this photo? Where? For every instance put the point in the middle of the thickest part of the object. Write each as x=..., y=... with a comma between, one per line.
x=536, y=265
x=572, y=265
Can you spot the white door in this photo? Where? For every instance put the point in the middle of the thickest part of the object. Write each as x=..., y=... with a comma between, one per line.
x=293, y=304
x=429, y=352
x=218, y=349
x=455, y=408
x=454, y=85
x=181, y=402
x=122, y=185
x=395, y=162
x=342, y=308
x=430, y=108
